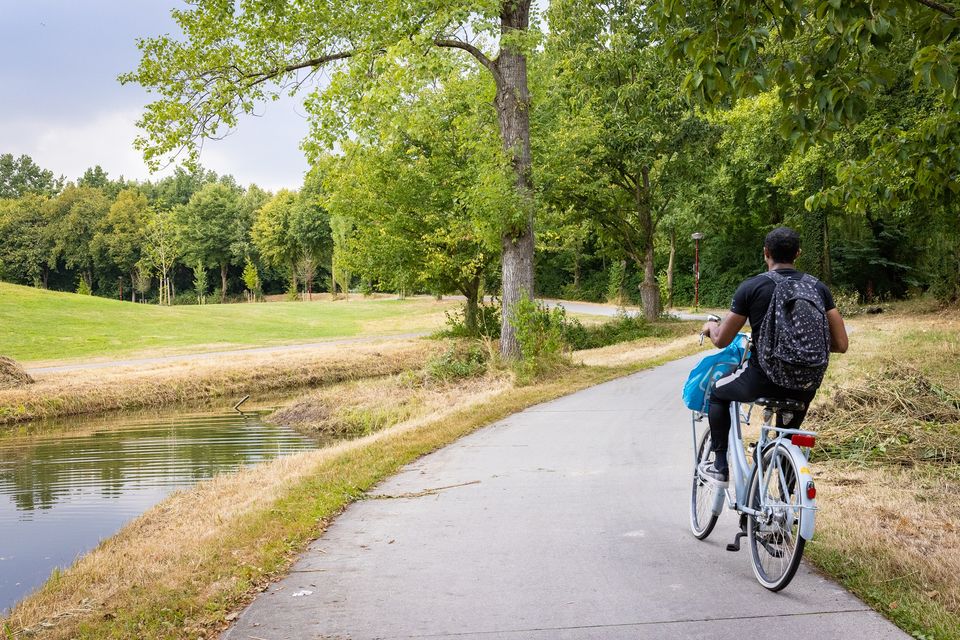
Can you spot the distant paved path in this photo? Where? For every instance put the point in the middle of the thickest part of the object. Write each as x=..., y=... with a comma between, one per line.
x=597, y=309
x=569, y=521
x=208, y=355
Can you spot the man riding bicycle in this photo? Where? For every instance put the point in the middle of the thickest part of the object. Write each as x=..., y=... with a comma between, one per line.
x=781, y=248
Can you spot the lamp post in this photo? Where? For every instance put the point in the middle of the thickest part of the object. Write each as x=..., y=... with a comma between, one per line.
x=697, y=237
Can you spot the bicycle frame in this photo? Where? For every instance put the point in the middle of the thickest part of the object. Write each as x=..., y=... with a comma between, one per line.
x=741, y=469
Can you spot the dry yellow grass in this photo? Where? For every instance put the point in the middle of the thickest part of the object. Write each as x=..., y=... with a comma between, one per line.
x=627, y=353
x=359, y=408
x=886, y=464
x=97, y=390
x=904, y=523
x=179, y=569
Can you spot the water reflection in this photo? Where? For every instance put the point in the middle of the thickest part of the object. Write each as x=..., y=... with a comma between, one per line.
x=61, y=492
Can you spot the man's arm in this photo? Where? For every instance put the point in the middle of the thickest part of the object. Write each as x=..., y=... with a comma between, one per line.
x=838, y=332
x=722, y=333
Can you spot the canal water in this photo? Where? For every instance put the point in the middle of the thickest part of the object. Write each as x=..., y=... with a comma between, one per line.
x=63, y=490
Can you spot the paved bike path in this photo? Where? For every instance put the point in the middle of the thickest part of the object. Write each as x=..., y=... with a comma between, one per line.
x=567, y=520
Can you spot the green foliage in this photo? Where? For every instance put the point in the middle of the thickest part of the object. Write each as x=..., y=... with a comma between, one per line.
x=20, y=176
x=540, y=331
x=83, y=288
x=487, y=322
x=463, y=359
x=615, y=282
x=207, y=225
x=251, y=279
x=415, y=197
x=623, y=328
x=200, y=282
x=828, y=62
x=27, y=239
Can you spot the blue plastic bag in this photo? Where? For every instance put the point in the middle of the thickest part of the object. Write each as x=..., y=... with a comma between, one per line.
x=696, y=391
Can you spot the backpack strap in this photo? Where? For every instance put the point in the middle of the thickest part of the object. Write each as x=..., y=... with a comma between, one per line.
x=776, y=277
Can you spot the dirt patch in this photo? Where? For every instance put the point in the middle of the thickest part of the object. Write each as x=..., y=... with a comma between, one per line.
x=12, y=374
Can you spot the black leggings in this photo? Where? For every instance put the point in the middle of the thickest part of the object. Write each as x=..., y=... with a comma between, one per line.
x=746, y=384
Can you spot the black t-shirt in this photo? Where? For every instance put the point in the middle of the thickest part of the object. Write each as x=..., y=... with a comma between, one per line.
x=753, y=297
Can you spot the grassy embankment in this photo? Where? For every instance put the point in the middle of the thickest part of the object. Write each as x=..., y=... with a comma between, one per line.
x=37, y=326
x=888, y=470
x=182, y=569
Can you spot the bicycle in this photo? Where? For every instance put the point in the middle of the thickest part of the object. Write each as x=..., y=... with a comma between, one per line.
x=774, y=492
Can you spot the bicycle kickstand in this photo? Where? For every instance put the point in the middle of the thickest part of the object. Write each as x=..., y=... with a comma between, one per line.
x=735, y=545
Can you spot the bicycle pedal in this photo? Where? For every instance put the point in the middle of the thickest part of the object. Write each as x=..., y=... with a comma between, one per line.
x=735, y=545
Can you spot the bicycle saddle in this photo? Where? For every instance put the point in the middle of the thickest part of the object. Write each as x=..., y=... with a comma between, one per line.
x=780, y=404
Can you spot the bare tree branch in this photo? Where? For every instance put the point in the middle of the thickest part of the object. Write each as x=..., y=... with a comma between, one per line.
x=262, y=76
x=472, y=50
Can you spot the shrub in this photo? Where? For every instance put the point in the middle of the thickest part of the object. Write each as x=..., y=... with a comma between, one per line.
x=83, y=288
x=623, y=328
x=185, y=297
x=848, y=302
x=540, y=333
x=488, y=322
x=461, y=360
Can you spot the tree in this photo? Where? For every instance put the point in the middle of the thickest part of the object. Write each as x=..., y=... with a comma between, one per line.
x=178, y=188
x=162, y=250
x=26, y=240
x=77, y=214
x=121, y=235
x=618, y=141
x=292, y=231
x=251, y=279
x=419, y=185
x=94, y=177
x=207, y=229
x=236, y=55
x=200, y=282
x=19, y=176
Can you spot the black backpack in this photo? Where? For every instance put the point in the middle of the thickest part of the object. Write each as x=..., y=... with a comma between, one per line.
x=794, y=346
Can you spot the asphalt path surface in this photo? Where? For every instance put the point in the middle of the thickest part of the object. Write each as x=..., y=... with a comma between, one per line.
x=568, y=520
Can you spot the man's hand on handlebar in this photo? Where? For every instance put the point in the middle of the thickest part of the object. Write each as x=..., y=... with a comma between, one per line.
x=721, y=334
x=712, y=323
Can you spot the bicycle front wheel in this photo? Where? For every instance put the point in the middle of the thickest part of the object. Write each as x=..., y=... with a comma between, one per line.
x=702, y=518
x=774, y=537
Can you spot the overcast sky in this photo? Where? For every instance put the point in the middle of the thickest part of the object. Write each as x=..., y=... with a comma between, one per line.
x=61, y=104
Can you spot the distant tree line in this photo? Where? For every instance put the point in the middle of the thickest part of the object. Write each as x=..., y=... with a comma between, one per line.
x=160, y=241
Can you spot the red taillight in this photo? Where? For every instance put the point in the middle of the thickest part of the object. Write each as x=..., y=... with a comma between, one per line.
x=803, y=440
x=811, y=490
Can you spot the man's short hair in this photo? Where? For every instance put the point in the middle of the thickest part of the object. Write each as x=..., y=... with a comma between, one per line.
x=783, y=243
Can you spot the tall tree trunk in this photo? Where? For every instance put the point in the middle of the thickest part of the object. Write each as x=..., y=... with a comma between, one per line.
x=46, y=277
x=649, y=292
x=223, y=282
x=673, y=254
x=133, y=287
x=513, y=111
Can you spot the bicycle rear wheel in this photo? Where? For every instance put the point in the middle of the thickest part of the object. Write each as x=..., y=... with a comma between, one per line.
x=774, y=538
x=702, y=518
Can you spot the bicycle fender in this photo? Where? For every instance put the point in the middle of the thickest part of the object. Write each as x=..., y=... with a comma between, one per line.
x=808, y=506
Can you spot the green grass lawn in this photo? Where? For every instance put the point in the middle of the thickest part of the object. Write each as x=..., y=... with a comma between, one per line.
x=38, y=325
